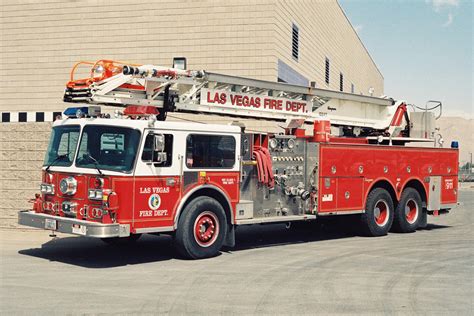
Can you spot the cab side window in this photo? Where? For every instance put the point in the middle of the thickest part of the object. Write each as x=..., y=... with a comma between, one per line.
x=148, y=150
x=210, y=151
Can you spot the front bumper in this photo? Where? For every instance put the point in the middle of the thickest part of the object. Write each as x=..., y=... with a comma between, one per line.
x=73, y=226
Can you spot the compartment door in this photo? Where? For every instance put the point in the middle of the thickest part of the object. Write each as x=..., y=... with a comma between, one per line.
x=350, y=194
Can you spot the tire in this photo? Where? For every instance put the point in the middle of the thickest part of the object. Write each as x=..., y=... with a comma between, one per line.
x=122, y=241
x=201, y=229
x=378, y=217
x=408, y=212
x=423, y=220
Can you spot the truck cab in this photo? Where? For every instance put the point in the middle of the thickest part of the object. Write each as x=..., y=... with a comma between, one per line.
x=121, y=177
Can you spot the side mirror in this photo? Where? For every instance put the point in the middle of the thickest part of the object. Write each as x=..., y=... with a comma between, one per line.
x=158, y=142
x=158, y=154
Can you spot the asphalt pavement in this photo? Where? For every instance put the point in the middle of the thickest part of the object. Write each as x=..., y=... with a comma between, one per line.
x=272, y=270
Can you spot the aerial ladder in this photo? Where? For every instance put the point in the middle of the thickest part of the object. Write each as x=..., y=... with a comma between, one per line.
x=119, y=84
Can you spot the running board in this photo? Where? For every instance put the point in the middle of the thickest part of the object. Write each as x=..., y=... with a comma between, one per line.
x=275, y=219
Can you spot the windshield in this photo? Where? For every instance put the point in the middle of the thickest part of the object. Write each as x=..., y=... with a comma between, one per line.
x=62, y=146
x=108, y=147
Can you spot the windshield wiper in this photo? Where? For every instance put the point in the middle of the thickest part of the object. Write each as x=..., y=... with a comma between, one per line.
x=96, y=163
x=56, y=159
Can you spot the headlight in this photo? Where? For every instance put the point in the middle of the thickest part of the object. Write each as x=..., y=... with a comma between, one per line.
x=68, y=186
x=47, y=188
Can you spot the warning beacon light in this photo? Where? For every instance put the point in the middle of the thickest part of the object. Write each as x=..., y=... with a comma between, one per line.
x=82, y=111
x=140, y=110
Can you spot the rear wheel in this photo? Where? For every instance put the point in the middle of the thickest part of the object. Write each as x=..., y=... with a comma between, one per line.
x=201, y=229
x=378, y=216
x=408, y=212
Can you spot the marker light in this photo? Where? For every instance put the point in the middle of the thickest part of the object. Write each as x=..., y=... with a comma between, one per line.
x=47, y=188
x=95, y=194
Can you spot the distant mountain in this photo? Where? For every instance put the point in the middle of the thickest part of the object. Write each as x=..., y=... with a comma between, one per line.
x=460, y=129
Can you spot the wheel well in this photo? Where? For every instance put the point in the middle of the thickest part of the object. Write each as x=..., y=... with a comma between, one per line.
x=417, y=185
x=216, y=195
x=384, y=184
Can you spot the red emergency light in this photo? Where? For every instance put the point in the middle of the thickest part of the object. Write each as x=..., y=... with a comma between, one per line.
x=140, y=110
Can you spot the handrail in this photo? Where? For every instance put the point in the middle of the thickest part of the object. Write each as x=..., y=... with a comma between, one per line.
x=110, y=69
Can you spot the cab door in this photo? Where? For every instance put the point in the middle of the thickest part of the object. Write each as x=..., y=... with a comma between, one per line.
x=156, y=190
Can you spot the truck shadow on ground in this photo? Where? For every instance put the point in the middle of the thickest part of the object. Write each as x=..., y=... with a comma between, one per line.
x=94, y=254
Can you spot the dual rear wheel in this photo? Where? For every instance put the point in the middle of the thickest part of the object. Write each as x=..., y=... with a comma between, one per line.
x=381, y=215
x=409, y=212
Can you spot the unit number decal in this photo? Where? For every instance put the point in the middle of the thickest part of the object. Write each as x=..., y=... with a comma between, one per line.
x=448, y=184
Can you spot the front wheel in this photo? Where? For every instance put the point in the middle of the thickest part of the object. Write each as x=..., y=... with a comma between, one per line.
x=201, y=229
x=409, y=212
x=378, y=216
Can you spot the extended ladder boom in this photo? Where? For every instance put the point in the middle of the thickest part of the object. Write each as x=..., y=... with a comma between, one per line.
x=168, y=89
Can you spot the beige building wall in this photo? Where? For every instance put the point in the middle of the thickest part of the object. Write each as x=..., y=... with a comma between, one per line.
x=41, y=40
x=22, y=147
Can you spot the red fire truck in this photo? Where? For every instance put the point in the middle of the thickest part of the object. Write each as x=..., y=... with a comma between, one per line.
x=338, y=153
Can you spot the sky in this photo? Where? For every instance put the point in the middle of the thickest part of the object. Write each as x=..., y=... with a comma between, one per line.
x=424, y=48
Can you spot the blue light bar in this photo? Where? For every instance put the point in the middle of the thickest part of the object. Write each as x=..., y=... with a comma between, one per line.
x=82, y=111
x=76, y=111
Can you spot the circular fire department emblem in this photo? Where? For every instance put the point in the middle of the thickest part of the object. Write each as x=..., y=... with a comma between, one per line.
x=154, y=201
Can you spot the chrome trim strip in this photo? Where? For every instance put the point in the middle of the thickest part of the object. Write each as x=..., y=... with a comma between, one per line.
x=64, y=225
x=154, y=230
x=342, y=213
x=278, y=219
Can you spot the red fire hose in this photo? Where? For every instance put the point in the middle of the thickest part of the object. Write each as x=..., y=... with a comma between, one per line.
x=264, y=166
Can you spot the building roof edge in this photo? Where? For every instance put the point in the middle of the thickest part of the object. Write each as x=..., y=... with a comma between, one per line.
x=360, y=40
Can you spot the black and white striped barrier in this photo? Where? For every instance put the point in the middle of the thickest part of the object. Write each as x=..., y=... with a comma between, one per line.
x=18, y=117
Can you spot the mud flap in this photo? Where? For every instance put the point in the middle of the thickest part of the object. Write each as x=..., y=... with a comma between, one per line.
x=229, y=240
